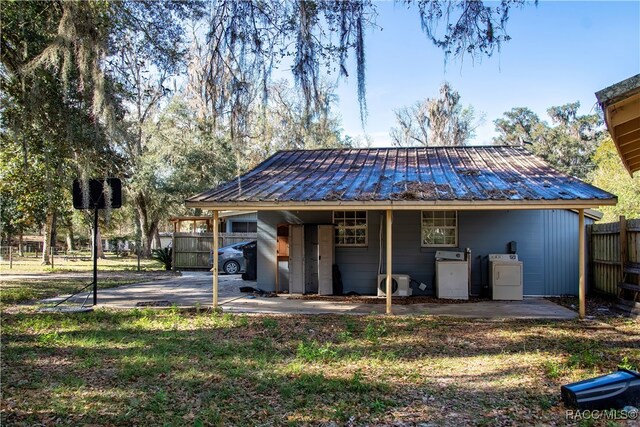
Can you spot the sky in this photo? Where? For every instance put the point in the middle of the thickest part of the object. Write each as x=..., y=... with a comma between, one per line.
x=560, y=52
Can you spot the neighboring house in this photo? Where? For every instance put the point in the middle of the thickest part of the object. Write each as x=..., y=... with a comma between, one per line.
x=621, y=105
x=231, y=222
x=321, y=207
x=166, y=239
x=240, y=222
x=30, y=242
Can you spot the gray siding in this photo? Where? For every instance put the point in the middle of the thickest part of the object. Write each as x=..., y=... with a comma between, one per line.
x=252, y=216
x=489, y=232
x=547, y=245
x=561, y=251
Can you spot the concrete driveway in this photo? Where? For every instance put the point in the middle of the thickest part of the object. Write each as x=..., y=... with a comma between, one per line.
x=529, y=308
x=195, y=288
x=188, y=290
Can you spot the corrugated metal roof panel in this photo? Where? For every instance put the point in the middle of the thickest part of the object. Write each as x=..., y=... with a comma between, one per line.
x=487, y=173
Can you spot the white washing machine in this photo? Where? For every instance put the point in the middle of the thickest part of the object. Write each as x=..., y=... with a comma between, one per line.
x=452, y=275
x=505, y=274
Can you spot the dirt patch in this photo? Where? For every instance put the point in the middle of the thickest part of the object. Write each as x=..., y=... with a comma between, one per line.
x=597, y=306
x=162, y=303
x=142, y=275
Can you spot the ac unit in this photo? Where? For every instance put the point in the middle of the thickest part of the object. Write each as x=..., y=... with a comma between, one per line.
x=400, y=285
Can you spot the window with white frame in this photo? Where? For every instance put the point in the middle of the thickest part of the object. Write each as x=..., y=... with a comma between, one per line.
x=439, y=228
x=351, y=228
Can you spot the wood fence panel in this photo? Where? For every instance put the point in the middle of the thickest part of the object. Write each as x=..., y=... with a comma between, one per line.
x=192, y=250
x=633, y=247
x=227, y=239
x=606, y=265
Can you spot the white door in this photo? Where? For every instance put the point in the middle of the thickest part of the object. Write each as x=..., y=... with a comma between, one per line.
x=296, y=259
x=325, y=259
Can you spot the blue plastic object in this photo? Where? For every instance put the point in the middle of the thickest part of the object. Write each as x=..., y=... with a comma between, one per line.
x=612, y=391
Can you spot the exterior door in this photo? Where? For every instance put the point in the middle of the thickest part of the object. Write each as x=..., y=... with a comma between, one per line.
x=296, y=259
x=310, y=259
x=325, y=259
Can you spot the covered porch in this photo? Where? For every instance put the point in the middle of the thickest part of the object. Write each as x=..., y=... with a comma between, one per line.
x=276, y=272
x=395, y=182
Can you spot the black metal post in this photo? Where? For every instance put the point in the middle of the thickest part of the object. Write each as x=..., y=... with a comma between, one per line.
x=95, y=257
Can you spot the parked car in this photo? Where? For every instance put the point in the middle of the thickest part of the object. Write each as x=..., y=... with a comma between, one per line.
x=230, y=259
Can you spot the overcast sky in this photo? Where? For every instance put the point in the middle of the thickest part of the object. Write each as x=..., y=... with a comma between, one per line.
x=560, y=52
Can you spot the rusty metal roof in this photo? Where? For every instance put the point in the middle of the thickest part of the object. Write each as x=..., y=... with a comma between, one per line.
x=488, y=175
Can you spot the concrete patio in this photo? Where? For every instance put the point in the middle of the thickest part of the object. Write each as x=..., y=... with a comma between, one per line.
x=195, y=289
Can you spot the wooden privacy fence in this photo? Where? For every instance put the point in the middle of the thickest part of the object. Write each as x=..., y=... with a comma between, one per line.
x=614, y=253
x=192, y=250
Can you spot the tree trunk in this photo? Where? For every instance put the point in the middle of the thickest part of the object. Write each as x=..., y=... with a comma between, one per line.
x=149, y=235
x=9, y=237
x=146, y=229
x=138, y=231
x=70, y=244
x=100, y=249
x=21, y=244
x=157, y=243
x=49, y=226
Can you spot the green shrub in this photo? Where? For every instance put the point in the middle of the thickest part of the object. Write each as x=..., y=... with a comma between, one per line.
x=164, y=256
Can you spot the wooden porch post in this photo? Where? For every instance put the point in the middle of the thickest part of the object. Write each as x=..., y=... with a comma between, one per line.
x=215, y=259
x=389, y=288
x=581, y=264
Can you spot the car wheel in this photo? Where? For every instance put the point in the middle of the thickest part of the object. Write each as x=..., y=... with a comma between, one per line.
x=231, y=267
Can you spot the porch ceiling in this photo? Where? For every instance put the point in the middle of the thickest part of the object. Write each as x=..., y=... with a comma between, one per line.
x=621, y=105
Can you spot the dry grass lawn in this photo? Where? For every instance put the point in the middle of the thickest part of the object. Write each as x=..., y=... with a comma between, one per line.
x=26, y=280
x=145, y=367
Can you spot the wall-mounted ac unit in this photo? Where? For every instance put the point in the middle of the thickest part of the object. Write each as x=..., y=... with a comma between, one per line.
x=400, y=285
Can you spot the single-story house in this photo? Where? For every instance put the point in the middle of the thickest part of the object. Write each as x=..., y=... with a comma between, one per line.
x=379, y=212
x=621, y=106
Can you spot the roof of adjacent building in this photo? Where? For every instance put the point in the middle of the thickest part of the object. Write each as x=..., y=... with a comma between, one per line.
x=470, y=175
x=621, y=105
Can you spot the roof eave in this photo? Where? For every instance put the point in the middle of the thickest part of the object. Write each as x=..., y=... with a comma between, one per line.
x=621, y=106
x=406, y=205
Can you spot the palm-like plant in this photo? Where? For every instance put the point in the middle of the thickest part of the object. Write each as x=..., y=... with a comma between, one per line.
x=163, y=255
